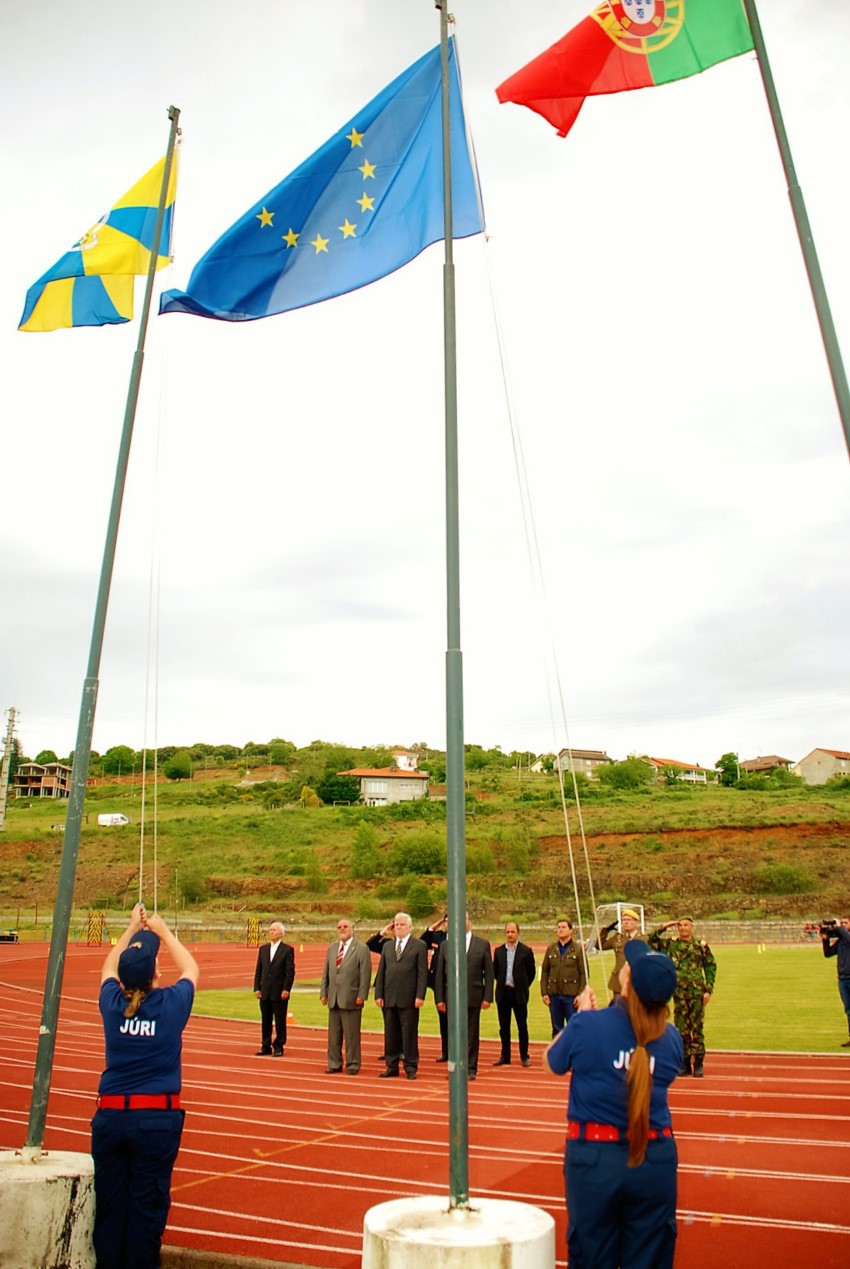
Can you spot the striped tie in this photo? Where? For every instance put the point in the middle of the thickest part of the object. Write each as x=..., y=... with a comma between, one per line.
x=340, y=955
x=398, y=949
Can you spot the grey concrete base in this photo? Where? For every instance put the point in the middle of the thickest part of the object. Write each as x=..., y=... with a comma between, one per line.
x=47, y=1211
x=422, y=1233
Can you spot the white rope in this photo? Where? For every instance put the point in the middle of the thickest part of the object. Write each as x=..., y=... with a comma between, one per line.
x=554, y=688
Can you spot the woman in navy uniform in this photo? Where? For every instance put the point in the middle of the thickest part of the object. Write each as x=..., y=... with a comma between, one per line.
x=621, y=1157
x=137, y=1127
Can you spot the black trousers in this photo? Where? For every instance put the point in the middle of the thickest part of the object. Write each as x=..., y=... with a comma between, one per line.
x=401, y=1037
x=273, y=1010
x=507, y=1005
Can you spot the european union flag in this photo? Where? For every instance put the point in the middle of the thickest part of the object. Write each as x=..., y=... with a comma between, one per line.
x=362, y=206
x=92, y=285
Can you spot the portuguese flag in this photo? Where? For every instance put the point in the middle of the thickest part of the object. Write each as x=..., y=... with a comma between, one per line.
x=628, y=44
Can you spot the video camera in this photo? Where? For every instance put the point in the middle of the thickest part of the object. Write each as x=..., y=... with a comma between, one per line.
x=828, y=928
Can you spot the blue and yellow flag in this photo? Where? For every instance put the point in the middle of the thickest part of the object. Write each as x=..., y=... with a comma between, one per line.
x=92, y=285
x=362, y=206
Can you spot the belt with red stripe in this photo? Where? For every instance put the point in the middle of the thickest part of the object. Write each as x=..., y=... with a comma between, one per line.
x=608, y=1132
x=139, y=1101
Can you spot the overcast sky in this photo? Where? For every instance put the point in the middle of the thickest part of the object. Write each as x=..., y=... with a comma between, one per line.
x=688, y=475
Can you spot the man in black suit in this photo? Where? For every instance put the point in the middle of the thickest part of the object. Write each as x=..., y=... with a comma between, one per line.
x=513, y=963
x=273, y=979
x=433, y=938
x=400, y=985
x=479, y=989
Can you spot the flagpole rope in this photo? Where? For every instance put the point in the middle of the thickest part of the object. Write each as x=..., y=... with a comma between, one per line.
x=554, y=687
x=152, y=642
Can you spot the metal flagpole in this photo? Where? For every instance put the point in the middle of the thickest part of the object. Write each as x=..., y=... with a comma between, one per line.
x=455, y=806
x=85, y=727
x=804, y=232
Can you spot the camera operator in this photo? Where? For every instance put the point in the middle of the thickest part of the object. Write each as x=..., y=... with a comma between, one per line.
x=835, y=937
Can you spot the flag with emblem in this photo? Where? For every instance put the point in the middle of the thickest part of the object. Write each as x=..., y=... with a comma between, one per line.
x=365, y=204
x=627, y=44
x=92, y=284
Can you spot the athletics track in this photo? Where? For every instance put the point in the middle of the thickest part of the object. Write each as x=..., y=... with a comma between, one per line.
x=280, y=1161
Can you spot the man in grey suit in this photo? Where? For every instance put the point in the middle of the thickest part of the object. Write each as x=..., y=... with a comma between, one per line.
x=345, y=986
x=479, y=988
x=400, y=986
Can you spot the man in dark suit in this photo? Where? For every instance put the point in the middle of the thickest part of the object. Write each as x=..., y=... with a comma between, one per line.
x=345, y=986
x=400, y=985
x=479, y=989
x=273, y=979
x=433, y=937
x=513, y=964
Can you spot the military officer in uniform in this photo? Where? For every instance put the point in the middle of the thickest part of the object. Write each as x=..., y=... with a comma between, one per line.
x=563, y=976
x=614, y=940
x=696, y=970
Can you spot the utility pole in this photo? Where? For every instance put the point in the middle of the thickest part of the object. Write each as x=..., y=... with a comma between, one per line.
x=4, y=770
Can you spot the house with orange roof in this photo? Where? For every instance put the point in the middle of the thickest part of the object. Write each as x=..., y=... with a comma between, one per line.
x=381, y=786
x=764, y=765
x=819, y=765
x=691, y=773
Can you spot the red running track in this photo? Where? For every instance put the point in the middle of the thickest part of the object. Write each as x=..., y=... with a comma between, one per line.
x=282, y=1161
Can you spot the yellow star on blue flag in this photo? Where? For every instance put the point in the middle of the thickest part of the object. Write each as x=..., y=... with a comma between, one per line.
x=362, y=206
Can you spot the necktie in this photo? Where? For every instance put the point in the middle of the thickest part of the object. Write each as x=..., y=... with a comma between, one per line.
x=398, y=949
x=340, y=955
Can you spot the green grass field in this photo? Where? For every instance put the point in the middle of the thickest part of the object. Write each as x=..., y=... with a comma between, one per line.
x=784, y=998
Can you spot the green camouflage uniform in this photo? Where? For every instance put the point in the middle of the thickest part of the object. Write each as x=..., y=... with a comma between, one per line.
x=696, y=970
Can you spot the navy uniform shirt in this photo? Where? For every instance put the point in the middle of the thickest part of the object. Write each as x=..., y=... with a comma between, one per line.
x=143, y=1052
x=597, y=1047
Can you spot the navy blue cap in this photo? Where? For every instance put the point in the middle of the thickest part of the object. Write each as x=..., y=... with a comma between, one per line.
x=653, y=973
x=137, y=963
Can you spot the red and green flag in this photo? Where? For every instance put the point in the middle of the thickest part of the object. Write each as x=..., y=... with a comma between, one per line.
x=627, y=44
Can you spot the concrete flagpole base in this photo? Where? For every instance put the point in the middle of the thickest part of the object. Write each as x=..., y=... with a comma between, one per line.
x=423, y=1233
x=48, y=1210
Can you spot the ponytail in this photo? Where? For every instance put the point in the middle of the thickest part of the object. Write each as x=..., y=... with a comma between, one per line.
x=134, y=997
x=648, y=1024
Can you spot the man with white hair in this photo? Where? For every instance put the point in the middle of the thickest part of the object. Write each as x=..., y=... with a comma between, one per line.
x=273, y=979
x=400, y=986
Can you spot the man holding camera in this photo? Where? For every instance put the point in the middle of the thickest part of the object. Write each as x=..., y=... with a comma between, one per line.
x=835, y=938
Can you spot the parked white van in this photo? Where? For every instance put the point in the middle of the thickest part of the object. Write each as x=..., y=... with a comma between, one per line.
x=113, y=819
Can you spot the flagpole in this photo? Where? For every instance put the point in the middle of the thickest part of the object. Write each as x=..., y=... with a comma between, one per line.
x=85, y=727
x=455, y=793
x=804, y=232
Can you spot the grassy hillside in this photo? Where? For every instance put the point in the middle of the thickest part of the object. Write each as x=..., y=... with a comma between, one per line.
x=226, y=847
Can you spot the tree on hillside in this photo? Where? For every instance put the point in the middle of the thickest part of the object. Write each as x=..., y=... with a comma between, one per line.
x=727, y=769
x=119, y=760
x=16, y=757
x=46, y=755
x=178, y=766
x=227, y=753
x=338, y=788
x=633, y=773
x=365, y=852
x=281, y=751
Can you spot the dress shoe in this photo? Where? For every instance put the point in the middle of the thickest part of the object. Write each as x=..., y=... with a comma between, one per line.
x=277, y=1052
x=411, y=1075
x=445, y=1059
x=352, y=1071
x=473, y=1075
x=263, y=1053
x=525, y=1061
x=698, y=1071
x=333, y=1070
x=846, y=1044
x=685, y=1068
x=503, y=1062
x=388, y=1075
